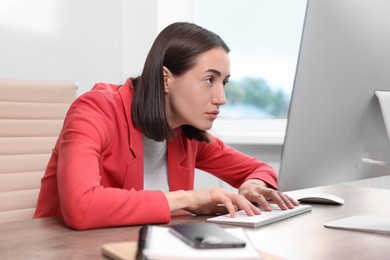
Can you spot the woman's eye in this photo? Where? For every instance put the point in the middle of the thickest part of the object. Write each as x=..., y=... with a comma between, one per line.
x=210, y=80
x=225, y=82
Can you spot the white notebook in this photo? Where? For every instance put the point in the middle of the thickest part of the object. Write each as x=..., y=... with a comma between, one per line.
x=376, y=224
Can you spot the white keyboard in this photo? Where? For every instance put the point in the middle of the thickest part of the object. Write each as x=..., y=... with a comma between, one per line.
x=266, y=217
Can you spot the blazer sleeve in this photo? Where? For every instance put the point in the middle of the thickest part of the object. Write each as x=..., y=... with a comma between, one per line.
x=85, y=203
x=231, y=165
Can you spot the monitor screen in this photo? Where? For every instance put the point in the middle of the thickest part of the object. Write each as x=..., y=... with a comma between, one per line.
x=335, y=118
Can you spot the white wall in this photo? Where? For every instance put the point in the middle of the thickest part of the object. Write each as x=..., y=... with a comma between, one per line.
x=60, y=40
x=139, y=28
x=86, y=41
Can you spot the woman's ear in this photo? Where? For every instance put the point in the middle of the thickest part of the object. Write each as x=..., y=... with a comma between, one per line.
x=167, y=74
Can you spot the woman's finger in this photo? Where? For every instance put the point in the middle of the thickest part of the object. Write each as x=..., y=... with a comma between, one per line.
x=245, y=205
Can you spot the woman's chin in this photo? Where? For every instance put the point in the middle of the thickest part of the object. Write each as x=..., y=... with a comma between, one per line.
x=205, y=127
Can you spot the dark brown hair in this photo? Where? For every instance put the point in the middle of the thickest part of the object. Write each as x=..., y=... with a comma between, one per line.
x=176, y=47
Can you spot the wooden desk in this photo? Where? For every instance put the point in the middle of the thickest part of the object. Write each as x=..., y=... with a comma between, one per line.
x=301, y=237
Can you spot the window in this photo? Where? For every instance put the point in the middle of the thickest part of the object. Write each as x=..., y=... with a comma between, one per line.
x=264, y=38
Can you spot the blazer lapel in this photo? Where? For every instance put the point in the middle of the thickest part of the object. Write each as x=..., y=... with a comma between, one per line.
x=136, y=177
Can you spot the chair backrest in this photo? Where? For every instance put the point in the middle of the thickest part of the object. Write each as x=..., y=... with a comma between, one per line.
x=31, y=117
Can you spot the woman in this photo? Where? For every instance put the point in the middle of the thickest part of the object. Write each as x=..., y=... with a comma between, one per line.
x=126, y=154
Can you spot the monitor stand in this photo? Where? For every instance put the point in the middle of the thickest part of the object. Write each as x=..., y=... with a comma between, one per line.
x=384, y=103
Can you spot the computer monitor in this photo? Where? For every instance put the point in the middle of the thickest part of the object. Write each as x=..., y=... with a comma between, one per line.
x=334, y=118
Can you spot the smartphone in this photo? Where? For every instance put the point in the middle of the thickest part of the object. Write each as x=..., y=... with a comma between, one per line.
x=206, y=236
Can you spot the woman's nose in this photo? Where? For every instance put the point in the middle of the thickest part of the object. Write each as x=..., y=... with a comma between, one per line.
x=219, y=97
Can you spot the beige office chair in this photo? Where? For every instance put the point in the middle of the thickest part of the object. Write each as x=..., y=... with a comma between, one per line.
x=31, y=117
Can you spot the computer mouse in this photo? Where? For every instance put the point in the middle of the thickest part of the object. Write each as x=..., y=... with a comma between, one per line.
x=321, y=198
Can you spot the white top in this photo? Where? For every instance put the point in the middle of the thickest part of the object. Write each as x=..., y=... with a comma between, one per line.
x=155, y=165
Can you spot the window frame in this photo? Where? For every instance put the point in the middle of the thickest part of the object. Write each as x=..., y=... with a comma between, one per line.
x=250, y=131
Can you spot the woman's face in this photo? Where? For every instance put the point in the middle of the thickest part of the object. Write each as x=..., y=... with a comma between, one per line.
x=195, y=97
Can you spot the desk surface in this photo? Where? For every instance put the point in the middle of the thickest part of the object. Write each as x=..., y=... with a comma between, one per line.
x=300, y=237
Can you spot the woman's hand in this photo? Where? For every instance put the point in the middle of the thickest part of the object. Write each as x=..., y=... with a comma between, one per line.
x=210, y=201
x=257, y=191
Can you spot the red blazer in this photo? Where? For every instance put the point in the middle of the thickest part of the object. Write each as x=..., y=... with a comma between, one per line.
x=94, y=177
